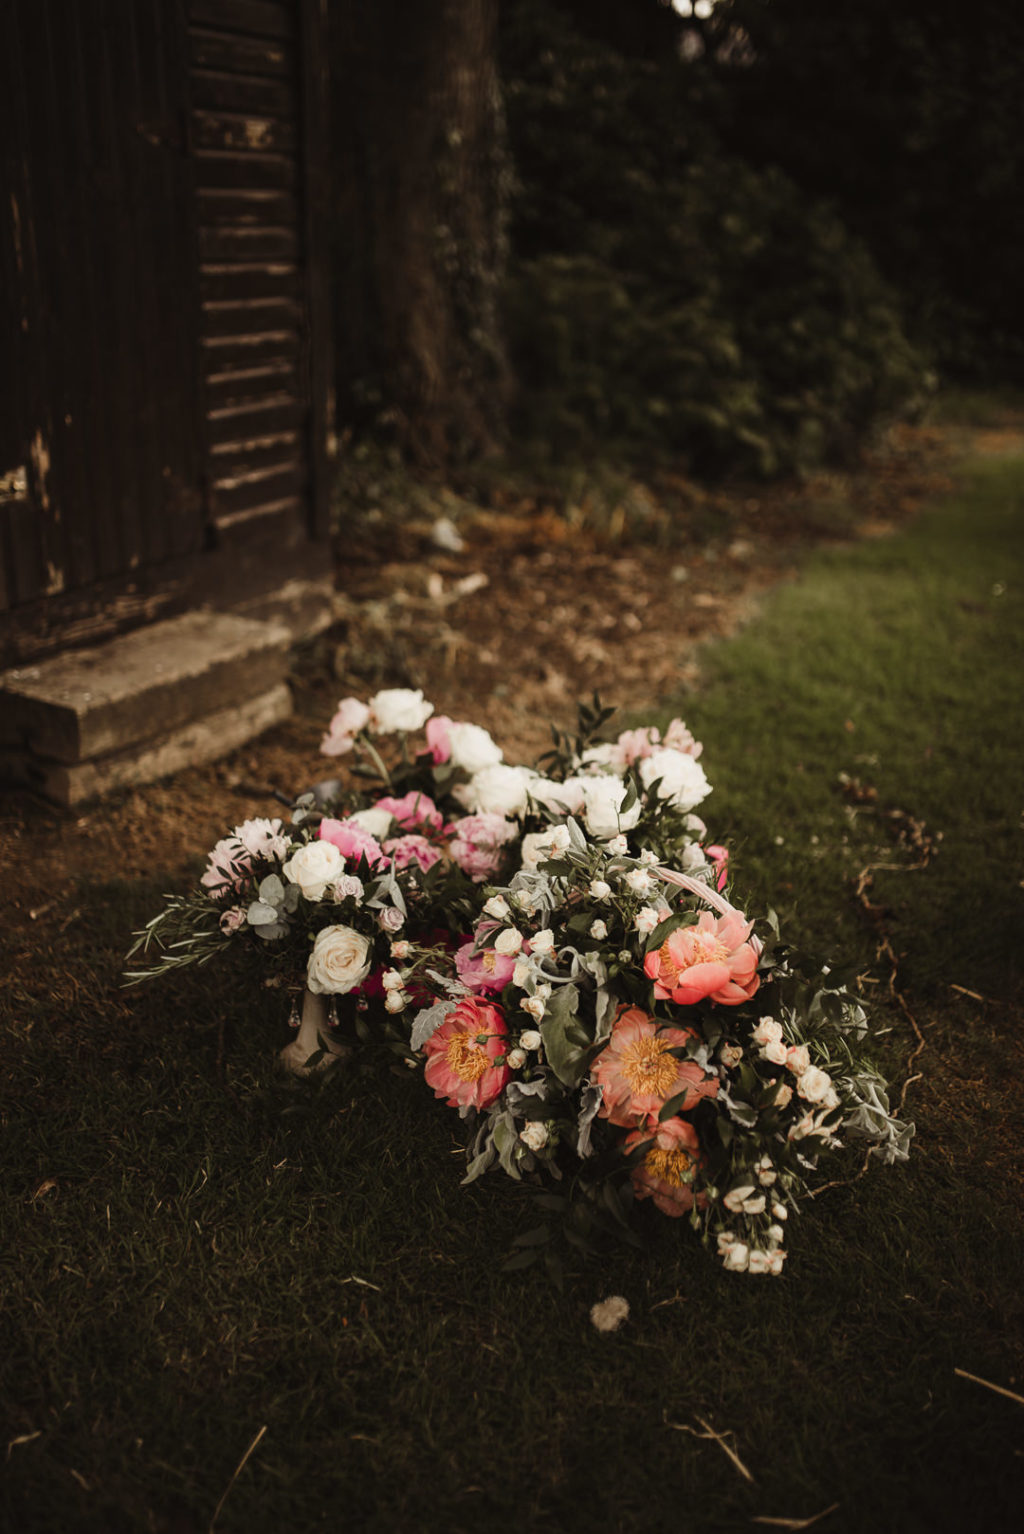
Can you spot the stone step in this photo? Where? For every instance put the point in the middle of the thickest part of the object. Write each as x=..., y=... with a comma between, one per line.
x=140, y=687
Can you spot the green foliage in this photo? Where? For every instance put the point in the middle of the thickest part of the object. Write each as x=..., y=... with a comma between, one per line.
x=665, y=299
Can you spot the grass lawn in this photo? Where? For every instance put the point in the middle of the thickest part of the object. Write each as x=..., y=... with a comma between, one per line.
x=200, y=1258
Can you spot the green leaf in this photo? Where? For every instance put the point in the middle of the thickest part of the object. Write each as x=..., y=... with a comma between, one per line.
x=564, y=1053
x=537, y=1236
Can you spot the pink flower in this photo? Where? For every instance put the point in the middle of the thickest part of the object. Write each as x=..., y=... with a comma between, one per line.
x=350, y=717
x=670, y=1167
x=412, y=849
x=352, y=841
x=228, y=867
x=720, y=857
x=232, y=920
x=413, y=810
x=466, y=1055
x=477, y=842
x=487, y=970
x=633, y=745
x=263, y=838
x=637, y=1074
x=679, y=738
x=717, y=958
x=438, y=744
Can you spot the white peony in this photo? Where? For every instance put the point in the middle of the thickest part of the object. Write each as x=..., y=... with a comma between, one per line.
x=602, y=807
x=376, y=823
x=496, y=790
x=398, y=708
x=339, y=962
x=472, y=748
x=314, y=867
x=558, y=798
x=682, y=784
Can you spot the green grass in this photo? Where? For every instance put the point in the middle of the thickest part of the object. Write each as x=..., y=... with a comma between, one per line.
x=223, y=1251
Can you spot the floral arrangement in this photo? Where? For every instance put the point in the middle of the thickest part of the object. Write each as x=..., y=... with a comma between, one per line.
x=558, y=948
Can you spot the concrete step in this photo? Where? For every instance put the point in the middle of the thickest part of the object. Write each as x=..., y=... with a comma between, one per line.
x=139, y=687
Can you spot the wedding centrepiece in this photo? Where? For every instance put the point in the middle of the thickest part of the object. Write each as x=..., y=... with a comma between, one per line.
x=560, y=950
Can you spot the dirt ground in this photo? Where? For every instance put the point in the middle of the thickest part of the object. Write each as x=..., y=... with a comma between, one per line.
x=535, y=610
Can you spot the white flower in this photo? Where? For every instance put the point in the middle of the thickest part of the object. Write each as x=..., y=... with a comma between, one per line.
x=617, y=845
x=775, y=1234
x=522, y=972
x=263, y=838
x=803, y=1127
x=472, y=748
x=608, y=1315
x=798, y=1058
x=539, y=846
x=390, y=919
x=602, y=807
x=398, y=708
x=755, y=1205
x=646, y=919
x=757, y=1262
x=508, y=942
x=558, y=798
x=775, y=1260
x=348, y=887
x=534, y=1134
x=402, y=949
x=516, y=1059
x=682, y=780
x=376, y=823
x=776, y=1052
x=766, y=1173
x=598, y=929
x=736, y=1258
x=648, y=857
x=313, y=867
x=814, y=1084
x=339, y=962
x=831, y=1098
x=625, y=956
x=496, y=790
x=783, y=1096
x=639, y=881
x=535, y=1006
x=768, y=1031
x=602, y=755
x=730, y=1055
x=780, y=1211
x=599, y=890
x=392, y=980
x=543, y=941
x=530, y=1039
x=396, y=1001
x=497, y=907
x=737, y=1197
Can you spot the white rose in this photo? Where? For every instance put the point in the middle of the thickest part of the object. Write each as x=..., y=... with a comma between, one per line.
x=530, y=1039
x=776, y=1052
x=775, y=1234
x=602, y=807
x=402, y=949
x=598, y=930
x=639, y=881
x=813, y=1085
x=736, y=1258
x=682, y=784
x=398, y=708
x=508, y=942
x=730, y=1055
x=396, y=1001
x=798, y=1058
x=646, y=919
x=543, y=941
x=497, y=907
x=496, y=790
x=599, y=890
x=558, y=798
x=534, y=1134
x=768, y=1031
x=516, y=1059
x=758, y=1262
x=340, y=960
x=376, y=823
x=780, y=1211
x=392, y=980
x=775, y=1260
x=472, y=748
x=617, y=846
x=522, y=972
x=313, y=867
x=535, y=1006
x=783, y=1096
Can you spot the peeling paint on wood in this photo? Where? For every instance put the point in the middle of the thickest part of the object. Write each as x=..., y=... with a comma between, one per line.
x=14, y=484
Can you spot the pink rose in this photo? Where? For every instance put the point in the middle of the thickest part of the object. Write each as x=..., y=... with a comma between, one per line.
x=466, y=1055
x=349, y=718
x=352, y=841
x=412, y=849
x=716, y=958
x=438, y=744
x=477, y=842
x=413, y=810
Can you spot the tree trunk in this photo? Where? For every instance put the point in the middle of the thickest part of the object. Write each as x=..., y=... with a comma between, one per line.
x=422, y=181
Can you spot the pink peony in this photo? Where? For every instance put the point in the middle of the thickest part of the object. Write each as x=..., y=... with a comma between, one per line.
x=679, y=738
x=412, y=849
x=350, y=717
x=412, y=811
x=717, y=958
x=487, y=970
x=671, y=1165
x=720, y=857
x=633, y=745
x=637, y=1074
x=477, y=842
x=352, y=841
x=466, y=1055
x=228, y=867
x=438, y=744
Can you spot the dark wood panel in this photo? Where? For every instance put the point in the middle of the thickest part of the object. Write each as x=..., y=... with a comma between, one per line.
x=248, y=243
x=275, y=450
x=261, y=172
x=220, y=352
x=279, y=412
x=258, y=487
x=235, y=54
x=264, y=95
x=246, y=206
x=257, y=279
x=225, y=130
x=250, y=316
x=234, y=388
x=259, y=18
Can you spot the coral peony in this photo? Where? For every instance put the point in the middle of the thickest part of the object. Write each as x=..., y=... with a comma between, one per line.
x=716, y=958
x=668, y=1170
x=466, y=1055
x=637, y=1074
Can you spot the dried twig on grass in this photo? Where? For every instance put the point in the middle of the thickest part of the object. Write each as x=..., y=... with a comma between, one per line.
x=796, y=1523
x=719, y=1438
x=238, y=1470
x=1000, y=1390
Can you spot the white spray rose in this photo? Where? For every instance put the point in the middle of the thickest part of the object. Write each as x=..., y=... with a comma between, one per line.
x=534, y=1134
x=472, y=748
x=314, y=867
x=813, y=1084
x=736, y=1258
x=508, y=942
x=639, y=881
x=646, y=919
x=682, y=780
x=530, y=1039
x=598, y=930
x=543, y=941
x=398, y=708
x=339, y=962
x=599, y=890
x=768, y=1031
x=497, y=907
x=536, y=1008
x=516, y=1059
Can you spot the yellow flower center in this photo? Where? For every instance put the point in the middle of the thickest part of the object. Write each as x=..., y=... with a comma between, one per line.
x=489, y=961
x=706, y=949
x=672, y=1166
x=466, y=1058
x=648, y=1068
